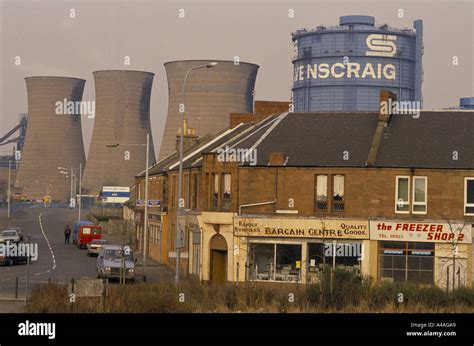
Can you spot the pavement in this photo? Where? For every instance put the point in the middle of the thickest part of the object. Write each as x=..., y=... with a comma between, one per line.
x=57, y=261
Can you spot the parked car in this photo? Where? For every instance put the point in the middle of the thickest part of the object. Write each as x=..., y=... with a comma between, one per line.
x=114, y=260
x=22, y=237
x=8, y=260
x=94, y=247
x=11, y=235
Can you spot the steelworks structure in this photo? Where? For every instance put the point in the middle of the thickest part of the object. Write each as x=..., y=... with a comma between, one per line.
x=52, y=140
x=122, y=119
x=211, y=94
x=343, y=68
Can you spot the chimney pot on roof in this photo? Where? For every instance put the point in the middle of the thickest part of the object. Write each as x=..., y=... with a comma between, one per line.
x=276, y=159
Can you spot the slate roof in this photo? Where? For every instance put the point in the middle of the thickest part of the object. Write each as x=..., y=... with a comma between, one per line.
x=429, y=141
x=322, y=140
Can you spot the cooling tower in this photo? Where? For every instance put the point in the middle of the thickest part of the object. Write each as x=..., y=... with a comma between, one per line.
x=211, y=94
x=53, y=138
x=122, y=119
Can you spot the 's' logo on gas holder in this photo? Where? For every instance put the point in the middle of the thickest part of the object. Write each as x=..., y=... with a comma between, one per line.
x=381, y=45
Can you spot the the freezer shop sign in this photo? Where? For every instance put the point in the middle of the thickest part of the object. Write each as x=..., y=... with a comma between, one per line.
x=420, y=231
x=301, y=228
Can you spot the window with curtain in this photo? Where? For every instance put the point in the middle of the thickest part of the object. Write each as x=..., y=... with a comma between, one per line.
x=321, y=202
x=215, y=189
x=226, y=197
x=338, y=193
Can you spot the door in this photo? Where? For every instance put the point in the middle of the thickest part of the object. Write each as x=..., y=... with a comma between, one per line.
x=218, y=260
x=218, y=266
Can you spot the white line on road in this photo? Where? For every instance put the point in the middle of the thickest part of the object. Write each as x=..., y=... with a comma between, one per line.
x=50, y=248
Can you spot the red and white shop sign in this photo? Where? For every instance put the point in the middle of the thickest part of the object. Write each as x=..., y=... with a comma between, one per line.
x=433, y=232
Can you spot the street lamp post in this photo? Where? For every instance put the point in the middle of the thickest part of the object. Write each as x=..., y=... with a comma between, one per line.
x=180, y=210
x=9, y=188
x=145, y=221
x=80, y=191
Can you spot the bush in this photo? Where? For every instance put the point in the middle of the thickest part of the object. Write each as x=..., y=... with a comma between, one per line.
x=349, y=293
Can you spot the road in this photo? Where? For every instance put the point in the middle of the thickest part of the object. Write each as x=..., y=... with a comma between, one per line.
x=56, y=260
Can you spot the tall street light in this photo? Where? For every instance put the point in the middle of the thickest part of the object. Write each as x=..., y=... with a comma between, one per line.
x=145, y=222
x=180, y=210
x=64, y=170
x=9, y=188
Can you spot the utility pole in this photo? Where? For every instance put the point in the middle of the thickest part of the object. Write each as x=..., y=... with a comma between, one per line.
x=145, y=221
x=9, y=188
x=28, y=260
x=80, y=190
x=180, y=209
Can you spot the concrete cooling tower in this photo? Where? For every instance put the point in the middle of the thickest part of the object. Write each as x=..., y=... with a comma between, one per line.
x=53, y=137
x=211, y=94
x=122, y=119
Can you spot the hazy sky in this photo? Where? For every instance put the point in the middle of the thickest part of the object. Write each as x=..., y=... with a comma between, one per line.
x=49, y=42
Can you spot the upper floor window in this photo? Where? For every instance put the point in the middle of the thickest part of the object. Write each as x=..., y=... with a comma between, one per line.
x=194, y=191
x=469, y=196
x=419, y=195
x=402, y=201
x=321, y=202
x=338, y=193
x=215, y=191
x=226, y=196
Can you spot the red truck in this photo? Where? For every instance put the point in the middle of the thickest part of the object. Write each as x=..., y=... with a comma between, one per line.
x=84, y=232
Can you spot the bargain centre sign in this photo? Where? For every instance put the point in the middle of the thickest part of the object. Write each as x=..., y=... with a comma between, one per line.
x=435, y=232
x=301, y=228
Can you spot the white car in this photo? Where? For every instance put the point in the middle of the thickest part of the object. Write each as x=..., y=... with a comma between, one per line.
x=11, y=235
x=94, y=247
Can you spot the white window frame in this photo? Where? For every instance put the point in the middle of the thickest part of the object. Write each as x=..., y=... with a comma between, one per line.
x=466, y=205
x=407, y=203
x=414, y=203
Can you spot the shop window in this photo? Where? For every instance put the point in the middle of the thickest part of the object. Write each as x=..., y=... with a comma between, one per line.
x=344, y=256
x=226, y=197
x=402, y=202
x=469, y=196
x=321, y=203
x=419, y=195
x=407, y=261
x=338, y=193
x=288, y=262
x=262, y=261
x=275, y=262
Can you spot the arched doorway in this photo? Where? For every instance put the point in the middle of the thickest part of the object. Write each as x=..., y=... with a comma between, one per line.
x=218, y=269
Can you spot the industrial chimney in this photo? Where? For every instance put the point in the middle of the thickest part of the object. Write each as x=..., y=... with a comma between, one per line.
x=53, y=138
x=122, y=119
x=211, y=95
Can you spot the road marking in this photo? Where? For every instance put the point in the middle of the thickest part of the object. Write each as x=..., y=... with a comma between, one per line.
x=49, y=246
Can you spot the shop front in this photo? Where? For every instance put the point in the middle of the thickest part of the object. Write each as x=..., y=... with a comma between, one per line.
x=429, y=253
x=297, y=250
